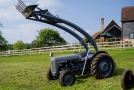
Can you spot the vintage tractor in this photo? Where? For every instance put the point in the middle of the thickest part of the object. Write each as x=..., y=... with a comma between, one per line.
x=127, y=80
x=100, y=64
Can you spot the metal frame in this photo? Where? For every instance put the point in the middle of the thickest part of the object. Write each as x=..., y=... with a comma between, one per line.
x=33, y=12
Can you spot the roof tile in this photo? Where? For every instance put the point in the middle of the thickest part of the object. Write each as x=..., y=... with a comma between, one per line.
x=127, y=14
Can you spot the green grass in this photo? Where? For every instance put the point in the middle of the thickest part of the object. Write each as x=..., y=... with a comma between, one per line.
x=29, y=73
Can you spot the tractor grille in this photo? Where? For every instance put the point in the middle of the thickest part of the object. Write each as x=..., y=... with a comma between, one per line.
x=53, y=68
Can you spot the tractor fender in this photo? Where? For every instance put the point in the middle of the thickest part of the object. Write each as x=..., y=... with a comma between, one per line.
x=97, y=54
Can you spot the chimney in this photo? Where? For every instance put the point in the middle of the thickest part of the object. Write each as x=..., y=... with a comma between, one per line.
x=102, y=23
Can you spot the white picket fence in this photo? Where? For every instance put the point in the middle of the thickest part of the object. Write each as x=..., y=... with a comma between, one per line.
x=42, y=50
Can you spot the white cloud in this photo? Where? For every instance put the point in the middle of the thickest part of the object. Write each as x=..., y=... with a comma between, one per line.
x=10, y=13
x=24, y=32
x=6, y=2
x=8, y=10
x=90, y=32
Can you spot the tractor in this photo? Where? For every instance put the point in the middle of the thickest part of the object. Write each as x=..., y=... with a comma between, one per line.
x=100, y=64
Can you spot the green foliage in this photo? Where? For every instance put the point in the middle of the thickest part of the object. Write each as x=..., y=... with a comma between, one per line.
x=86, y=40
x=29, y=73
x=3, y=42
x=19, y=45
x=49, y=37
x=34, y=44
x=27, y=46
x=109, y=40
x=10, y=46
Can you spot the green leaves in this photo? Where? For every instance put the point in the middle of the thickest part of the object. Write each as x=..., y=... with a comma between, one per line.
x=49, y=37
x=86, y=40
x=3, y=42
x=19, y=45
x=34, y=44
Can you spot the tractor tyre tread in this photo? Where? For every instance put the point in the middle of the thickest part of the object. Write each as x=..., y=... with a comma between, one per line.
x=94, y=65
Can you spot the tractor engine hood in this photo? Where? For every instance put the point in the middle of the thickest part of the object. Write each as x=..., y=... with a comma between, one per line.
x=65, y=58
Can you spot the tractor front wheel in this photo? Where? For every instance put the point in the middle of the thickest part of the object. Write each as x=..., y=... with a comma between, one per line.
x=102, y=66
x=67, y=78
x=50, y=76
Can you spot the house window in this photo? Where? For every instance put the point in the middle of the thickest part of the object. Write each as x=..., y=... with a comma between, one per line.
x=131, y=35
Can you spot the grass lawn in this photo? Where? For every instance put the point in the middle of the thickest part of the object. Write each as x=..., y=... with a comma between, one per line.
x=29, y=73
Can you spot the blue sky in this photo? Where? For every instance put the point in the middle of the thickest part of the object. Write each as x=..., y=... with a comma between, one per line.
x=84, y=13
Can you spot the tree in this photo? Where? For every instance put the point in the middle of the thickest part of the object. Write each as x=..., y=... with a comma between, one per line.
x=10, y=46
x=49, y=37
x=3, y=42
x=19, y=45
x=27, y=46
x=86, y=40
x=34, y=44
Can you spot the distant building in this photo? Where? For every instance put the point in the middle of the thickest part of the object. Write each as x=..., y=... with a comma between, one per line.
x=112, y=28
x=127, y=19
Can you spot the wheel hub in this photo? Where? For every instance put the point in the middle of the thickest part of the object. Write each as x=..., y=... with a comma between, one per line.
x=68, y=79
x=103, y=66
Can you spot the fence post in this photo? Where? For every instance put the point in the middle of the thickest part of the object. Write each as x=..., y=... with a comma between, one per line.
x=12, y=52
x=133, y=43
x=39, y=51
x=6, y=53
x=21, y=52
x=30, y=51
x=123, y=41
x=50, y=49
x=120, y=45
x=74, y=47
x=61, y=48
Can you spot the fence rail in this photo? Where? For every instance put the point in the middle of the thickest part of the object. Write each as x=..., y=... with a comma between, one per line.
x=42, y=50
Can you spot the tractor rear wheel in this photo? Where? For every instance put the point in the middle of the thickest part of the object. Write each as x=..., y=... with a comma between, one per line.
x=127, y=80
x=67, y=78
x=50, y=76
x=102, y=66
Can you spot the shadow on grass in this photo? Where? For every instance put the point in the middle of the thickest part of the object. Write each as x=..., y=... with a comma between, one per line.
x=84, y=76
x=118, y=71
x=82, y=79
